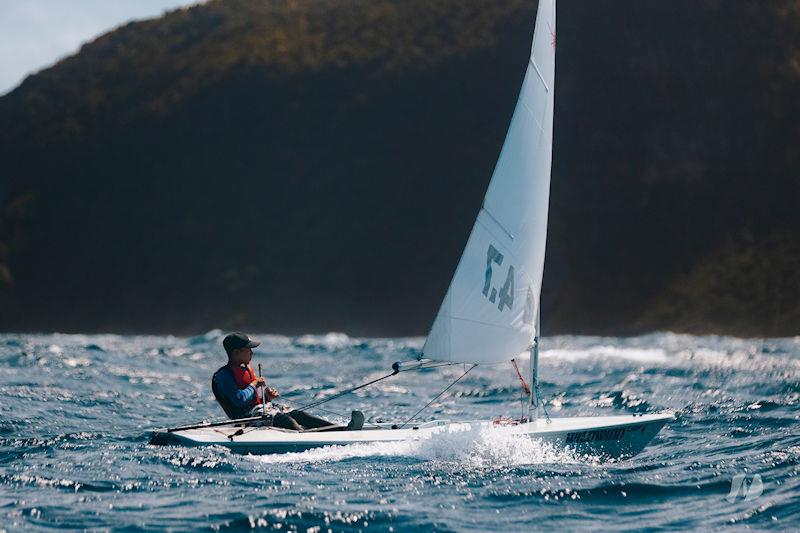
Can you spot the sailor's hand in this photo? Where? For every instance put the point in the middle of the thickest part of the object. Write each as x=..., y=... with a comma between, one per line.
x=258, y=382
x=272, y=393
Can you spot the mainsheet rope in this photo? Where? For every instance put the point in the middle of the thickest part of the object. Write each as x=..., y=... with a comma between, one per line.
x=348, y=391
x=437, y=397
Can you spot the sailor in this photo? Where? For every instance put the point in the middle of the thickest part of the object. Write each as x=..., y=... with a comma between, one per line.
x=236, y=388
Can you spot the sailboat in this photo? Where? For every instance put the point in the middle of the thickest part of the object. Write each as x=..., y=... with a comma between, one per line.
x=491, y=311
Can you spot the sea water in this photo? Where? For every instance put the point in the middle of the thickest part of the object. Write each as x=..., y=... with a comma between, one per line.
x=76, y=413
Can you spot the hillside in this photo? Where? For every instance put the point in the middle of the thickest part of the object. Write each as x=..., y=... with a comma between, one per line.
x=301, y=165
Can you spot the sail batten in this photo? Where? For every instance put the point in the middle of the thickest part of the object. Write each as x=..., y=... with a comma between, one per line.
x=497, y=222
x=539, y=73
x=487, y=315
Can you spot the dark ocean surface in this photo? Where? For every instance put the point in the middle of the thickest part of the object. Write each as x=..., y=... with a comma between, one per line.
x=76, y=412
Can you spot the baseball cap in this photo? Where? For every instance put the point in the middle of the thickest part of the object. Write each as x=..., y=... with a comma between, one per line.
x=237, y=340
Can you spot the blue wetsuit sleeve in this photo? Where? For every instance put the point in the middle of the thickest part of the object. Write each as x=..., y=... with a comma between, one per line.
x=238, y=397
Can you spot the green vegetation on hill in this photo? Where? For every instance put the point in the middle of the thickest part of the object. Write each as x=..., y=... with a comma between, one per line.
x=147, y=69
x=302, y=165
x=738, y=288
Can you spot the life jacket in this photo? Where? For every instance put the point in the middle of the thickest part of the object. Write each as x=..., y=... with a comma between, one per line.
x=242, y=377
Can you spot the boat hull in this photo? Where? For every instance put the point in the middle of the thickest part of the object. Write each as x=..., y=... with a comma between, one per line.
x=607, y=437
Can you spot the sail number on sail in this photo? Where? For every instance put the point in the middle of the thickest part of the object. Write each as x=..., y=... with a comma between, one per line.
x=506, y=294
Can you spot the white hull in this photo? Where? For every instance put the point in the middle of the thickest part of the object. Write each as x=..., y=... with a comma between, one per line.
x=608, y=436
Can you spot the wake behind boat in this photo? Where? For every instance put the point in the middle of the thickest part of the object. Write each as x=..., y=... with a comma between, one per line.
x=491, y=312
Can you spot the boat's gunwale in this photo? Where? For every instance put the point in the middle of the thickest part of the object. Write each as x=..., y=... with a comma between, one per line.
x=270, y=437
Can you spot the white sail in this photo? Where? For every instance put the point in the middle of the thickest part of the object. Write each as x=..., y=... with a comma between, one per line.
x=489, y=311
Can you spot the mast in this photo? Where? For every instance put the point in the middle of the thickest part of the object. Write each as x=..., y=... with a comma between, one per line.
x=533, y=407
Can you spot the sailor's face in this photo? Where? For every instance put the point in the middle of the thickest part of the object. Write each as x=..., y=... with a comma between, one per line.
x=243, y=356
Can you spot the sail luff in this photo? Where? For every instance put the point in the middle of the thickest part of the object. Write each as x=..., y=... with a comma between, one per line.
x=488, y=312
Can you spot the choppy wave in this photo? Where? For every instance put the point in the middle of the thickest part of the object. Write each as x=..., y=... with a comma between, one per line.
x=76, y=411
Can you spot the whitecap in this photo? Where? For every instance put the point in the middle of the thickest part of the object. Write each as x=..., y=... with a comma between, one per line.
x=74, y=362
x=331, y=340
x=641, y=355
